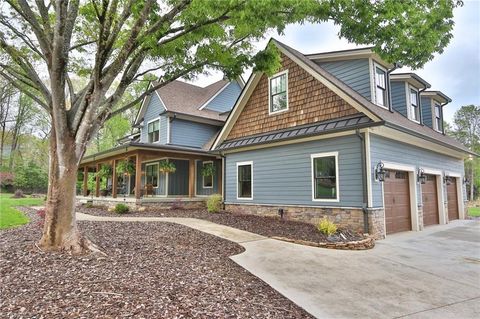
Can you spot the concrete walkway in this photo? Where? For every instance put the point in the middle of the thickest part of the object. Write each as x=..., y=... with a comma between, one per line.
x=430, y=274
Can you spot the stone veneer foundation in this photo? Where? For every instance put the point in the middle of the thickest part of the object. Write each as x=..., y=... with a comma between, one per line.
x=351, y=218
x=183, y=203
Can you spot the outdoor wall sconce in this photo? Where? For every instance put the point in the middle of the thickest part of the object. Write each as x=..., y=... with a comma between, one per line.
x=465, y=180
x=421, y=177
x=281, y=212
x=380, y=172
x=447, y=180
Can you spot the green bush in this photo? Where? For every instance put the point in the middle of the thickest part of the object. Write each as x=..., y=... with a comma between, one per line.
x=31, y=178
x=327, y=227
x=214, y=203
x=121, y=209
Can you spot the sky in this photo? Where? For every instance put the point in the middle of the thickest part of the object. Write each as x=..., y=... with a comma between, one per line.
x=456, y=72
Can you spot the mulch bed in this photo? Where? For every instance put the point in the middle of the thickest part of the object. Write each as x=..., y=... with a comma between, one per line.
x=153, y=270
x=262, y=225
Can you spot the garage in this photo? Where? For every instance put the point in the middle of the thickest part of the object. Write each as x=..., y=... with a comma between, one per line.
x=430, y=201
x=397, y=202
x=452, y=199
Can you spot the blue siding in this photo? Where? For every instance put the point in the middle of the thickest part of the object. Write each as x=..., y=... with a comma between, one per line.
x=154, y=108
x=160, y=190
x=399, y=97
x=199, y=183
x=224, y=101
x=186, y=133
x=283, y=174
x=427, y=115
x=383, y=149
x=354, y=73
x=178, y=181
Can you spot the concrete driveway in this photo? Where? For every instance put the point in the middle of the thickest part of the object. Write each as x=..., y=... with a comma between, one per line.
x=430, y=274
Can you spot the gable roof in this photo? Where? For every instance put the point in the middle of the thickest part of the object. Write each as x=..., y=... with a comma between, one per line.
x=374, y=112
x=185, y=98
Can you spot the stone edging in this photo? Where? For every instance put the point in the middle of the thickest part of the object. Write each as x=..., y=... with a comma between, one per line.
x=364, y=244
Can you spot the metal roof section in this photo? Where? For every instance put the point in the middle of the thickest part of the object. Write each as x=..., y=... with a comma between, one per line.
x=341, y=124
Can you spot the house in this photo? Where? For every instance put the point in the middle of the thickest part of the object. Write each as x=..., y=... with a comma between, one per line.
x=168, y=157
x=338, y=135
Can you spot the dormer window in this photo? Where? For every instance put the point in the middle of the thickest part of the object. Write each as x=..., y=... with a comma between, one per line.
x=381, y=95
x=278, y=93
x=153, y=129
x=414, y=106
x=438, y=117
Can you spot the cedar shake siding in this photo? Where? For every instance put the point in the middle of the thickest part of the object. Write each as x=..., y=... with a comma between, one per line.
x=309, y=101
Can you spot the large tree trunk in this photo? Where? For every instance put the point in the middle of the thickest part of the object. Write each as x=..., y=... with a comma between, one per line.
x=60, y=229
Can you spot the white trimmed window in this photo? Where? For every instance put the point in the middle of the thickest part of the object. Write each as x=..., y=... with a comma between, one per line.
x=381, y=96
x=153, y=129
x=278, y=92
x=207, y=180
x=151, y=174
x=414, y=106
x=325, y=177
x=245, y=180
x=438, y=116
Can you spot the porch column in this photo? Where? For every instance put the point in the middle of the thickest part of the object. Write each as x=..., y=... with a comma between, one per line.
x=85, y=181
x=220, y=178
x=191, y=178
x=114, y=179
x=138, y=176
x=97, y=182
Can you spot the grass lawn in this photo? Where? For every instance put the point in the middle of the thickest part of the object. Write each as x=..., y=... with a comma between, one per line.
x=474, y=211
x=9, y=216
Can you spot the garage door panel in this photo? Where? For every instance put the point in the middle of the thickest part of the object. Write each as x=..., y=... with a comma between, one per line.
x=397, y=202
x=430, y=201
x=452, y=199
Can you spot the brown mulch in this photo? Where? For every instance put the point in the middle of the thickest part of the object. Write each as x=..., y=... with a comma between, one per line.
x=153, y=270
x=262, y=225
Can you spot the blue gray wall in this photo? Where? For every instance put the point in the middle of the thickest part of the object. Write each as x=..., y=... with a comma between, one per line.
x=427, y=115
x=154, y=108
x=354, y=73
x=178, y=181
x=399, y=97
x=383, y=149
x=186, y=133
x=283, y=174
x=199, y=182
x=161, y=189
x=224, y=101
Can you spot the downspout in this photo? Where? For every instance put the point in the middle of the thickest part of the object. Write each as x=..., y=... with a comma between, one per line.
x=224, y=179
x=420, y=103
x=396, y=65
x=364, y=182
x=441, y=116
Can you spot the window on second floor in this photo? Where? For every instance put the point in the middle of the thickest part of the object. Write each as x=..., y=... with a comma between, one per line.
x=381, y=96
x=153, y=129
x=414, y=106
x=278, y=92
x=438, y=117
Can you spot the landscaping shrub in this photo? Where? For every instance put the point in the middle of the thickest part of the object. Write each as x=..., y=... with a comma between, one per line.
x=121, y=209
x=327, y=227
x=214, y=203
x=18, y=194
x=41, y=213
x=31, y=178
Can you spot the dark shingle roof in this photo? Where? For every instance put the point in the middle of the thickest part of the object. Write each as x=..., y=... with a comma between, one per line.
x=340, y=124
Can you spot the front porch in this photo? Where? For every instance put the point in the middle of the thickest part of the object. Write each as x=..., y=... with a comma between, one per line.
x=144, y=175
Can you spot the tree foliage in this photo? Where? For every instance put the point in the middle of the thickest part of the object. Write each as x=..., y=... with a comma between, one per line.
x=31, y=177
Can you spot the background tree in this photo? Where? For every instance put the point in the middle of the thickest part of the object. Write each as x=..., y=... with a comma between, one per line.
x=113, y=43
x=466, y=128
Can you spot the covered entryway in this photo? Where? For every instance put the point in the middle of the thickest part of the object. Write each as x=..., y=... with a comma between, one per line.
x=452, y=199
x=397, y=202
x=430, y=201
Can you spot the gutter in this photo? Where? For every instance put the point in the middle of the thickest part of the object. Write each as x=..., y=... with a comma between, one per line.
x=364, y=182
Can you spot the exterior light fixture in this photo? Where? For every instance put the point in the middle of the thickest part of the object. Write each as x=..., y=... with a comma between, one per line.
x=281, y=212
x=421, y=177
x=465, y=180
x=380, y=172
x=447, y=180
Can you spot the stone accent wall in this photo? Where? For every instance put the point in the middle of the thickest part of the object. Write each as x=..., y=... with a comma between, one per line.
x=351, y=218
x=309, y=101
x=184, y=203
x=420, y=217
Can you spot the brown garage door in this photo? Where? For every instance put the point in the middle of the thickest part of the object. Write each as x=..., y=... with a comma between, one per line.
x=430, y=201
x=397, y=202
x=452, y=199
